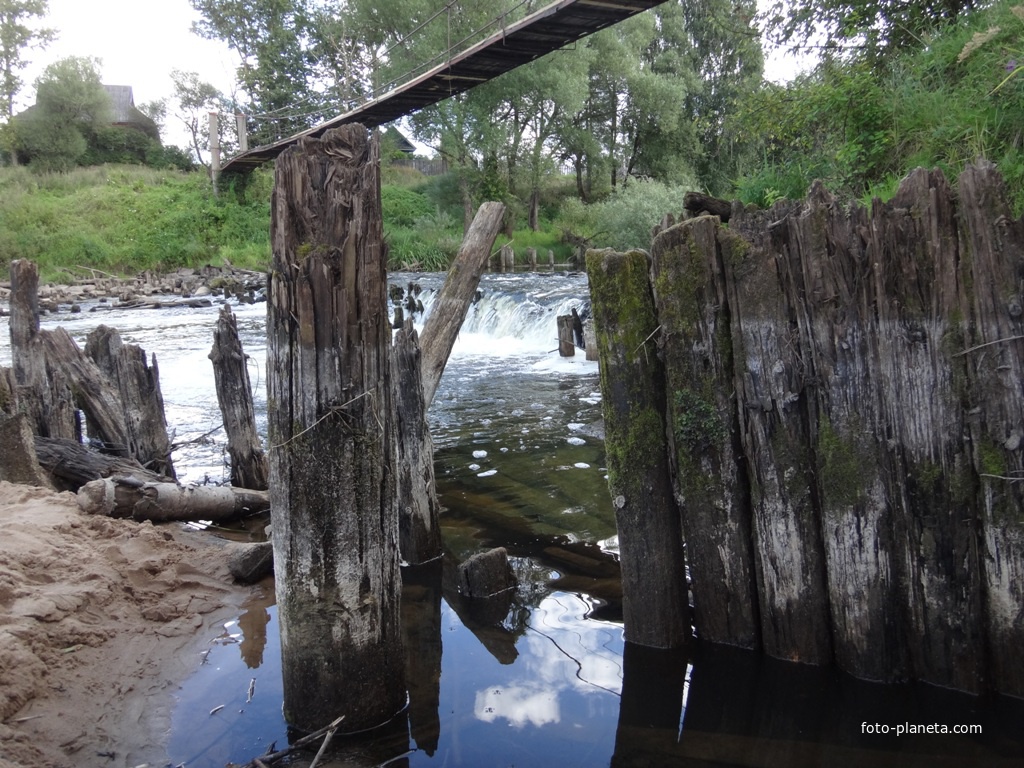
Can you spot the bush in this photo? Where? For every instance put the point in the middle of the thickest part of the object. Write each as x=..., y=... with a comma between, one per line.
x=628, y=217
x=401, y=206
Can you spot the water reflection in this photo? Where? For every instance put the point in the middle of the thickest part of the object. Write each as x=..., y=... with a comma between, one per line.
x=253, y=624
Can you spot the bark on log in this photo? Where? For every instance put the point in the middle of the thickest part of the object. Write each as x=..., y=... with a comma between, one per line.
x=249, y=468
x=141, y=400
x=8, y=393
x=331, y=433
x=419, y=530
x=71, y=464
x=167, y=502
x=442, y=327
x=690, y=288
x=655, y=606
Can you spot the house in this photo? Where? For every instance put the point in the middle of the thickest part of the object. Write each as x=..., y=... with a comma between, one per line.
x=125, y=113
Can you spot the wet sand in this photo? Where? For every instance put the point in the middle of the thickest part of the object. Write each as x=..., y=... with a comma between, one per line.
x=100, y=622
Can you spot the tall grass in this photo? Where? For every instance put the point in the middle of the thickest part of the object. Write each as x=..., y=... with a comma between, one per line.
x=126, y=219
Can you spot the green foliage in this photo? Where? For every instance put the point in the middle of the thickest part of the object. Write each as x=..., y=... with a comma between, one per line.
x=125, y=219
x=696, y=422
x=876, y=30
x=16, y=36
x=71, y=105
x=859, y=127
x=627, y=218
x=402, y=206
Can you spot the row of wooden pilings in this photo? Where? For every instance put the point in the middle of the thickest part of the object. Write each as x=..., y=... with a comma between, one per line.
x=818, y=410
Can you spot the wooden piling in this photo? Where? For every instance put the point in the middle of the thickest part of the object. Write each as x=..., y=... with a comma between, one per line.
x=331, y=433
x=566, y=347
x=249, y=468
x=877, y=420
x=419, y=529
x=690, y=295
x=655, y=606
x=993, y=246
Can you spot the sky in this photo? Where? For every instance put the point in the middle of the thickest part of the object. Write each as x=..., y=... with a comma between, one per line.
x=139, y=43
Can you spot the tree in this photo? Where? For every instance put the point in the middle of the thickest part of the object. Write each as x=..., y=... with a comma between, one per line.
x=872, y=27
x=71, y=104
x=15, y=37
x=273, y=39
x=196, y=99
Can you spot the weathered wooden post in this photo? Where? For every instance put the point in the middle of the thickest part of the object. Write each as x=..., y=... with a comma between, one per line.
x=214, y=141
x=993, y=245
x=690, y=295
x=419, y=530
x=442, y=327
x=655, y=606
x=566, y=348
x=332, y=446
x=249, y=467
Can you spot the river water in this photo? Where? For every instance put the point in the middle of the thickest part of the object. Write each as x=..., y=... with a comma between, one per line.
x=543, y=678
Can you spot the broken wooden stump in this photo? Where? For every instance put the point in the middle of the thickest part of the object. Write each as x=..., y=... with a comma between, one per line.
x=566, y=347
x=419, y=530
x=141, y=400
x=249, y=468
x=121, y=496
x=332, y=436
x=655, y=604
x=18, y=460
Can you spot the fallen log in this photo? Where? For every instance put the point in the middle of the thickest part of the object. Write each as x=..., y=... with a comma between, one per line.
x=697, y=204
x=165, y=502
x=71, y=464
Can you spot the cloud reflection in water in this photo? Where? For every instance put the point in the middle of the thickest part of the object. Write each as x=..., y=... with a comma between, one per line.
x=563, y=651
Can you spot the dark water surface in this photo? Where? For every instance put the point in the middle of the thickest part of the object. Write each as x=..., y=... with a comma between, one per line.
x=542, y=678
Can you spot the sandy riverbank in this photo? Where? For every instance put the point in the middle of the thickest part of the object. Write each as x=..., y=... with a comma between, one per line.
x=100, y=621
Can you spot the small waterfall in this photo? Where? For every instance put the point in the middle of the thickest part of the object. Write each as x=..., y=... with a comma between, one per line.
x=509, y=317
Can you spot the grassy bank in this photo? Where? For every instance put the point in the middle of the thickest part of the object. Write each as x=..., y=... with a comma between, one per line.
x=126, y=219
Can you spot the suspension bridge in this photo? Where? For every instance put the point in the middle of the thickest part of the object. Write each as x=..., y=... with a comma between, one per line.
x=541, y=32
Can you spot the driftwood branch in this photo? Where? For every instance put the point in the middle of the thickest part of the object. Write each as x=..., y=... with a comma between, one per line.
x=273, y=757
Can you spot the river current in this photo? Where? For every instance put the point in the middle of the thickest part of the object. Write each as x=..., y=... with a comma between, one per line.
x=543, y=679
